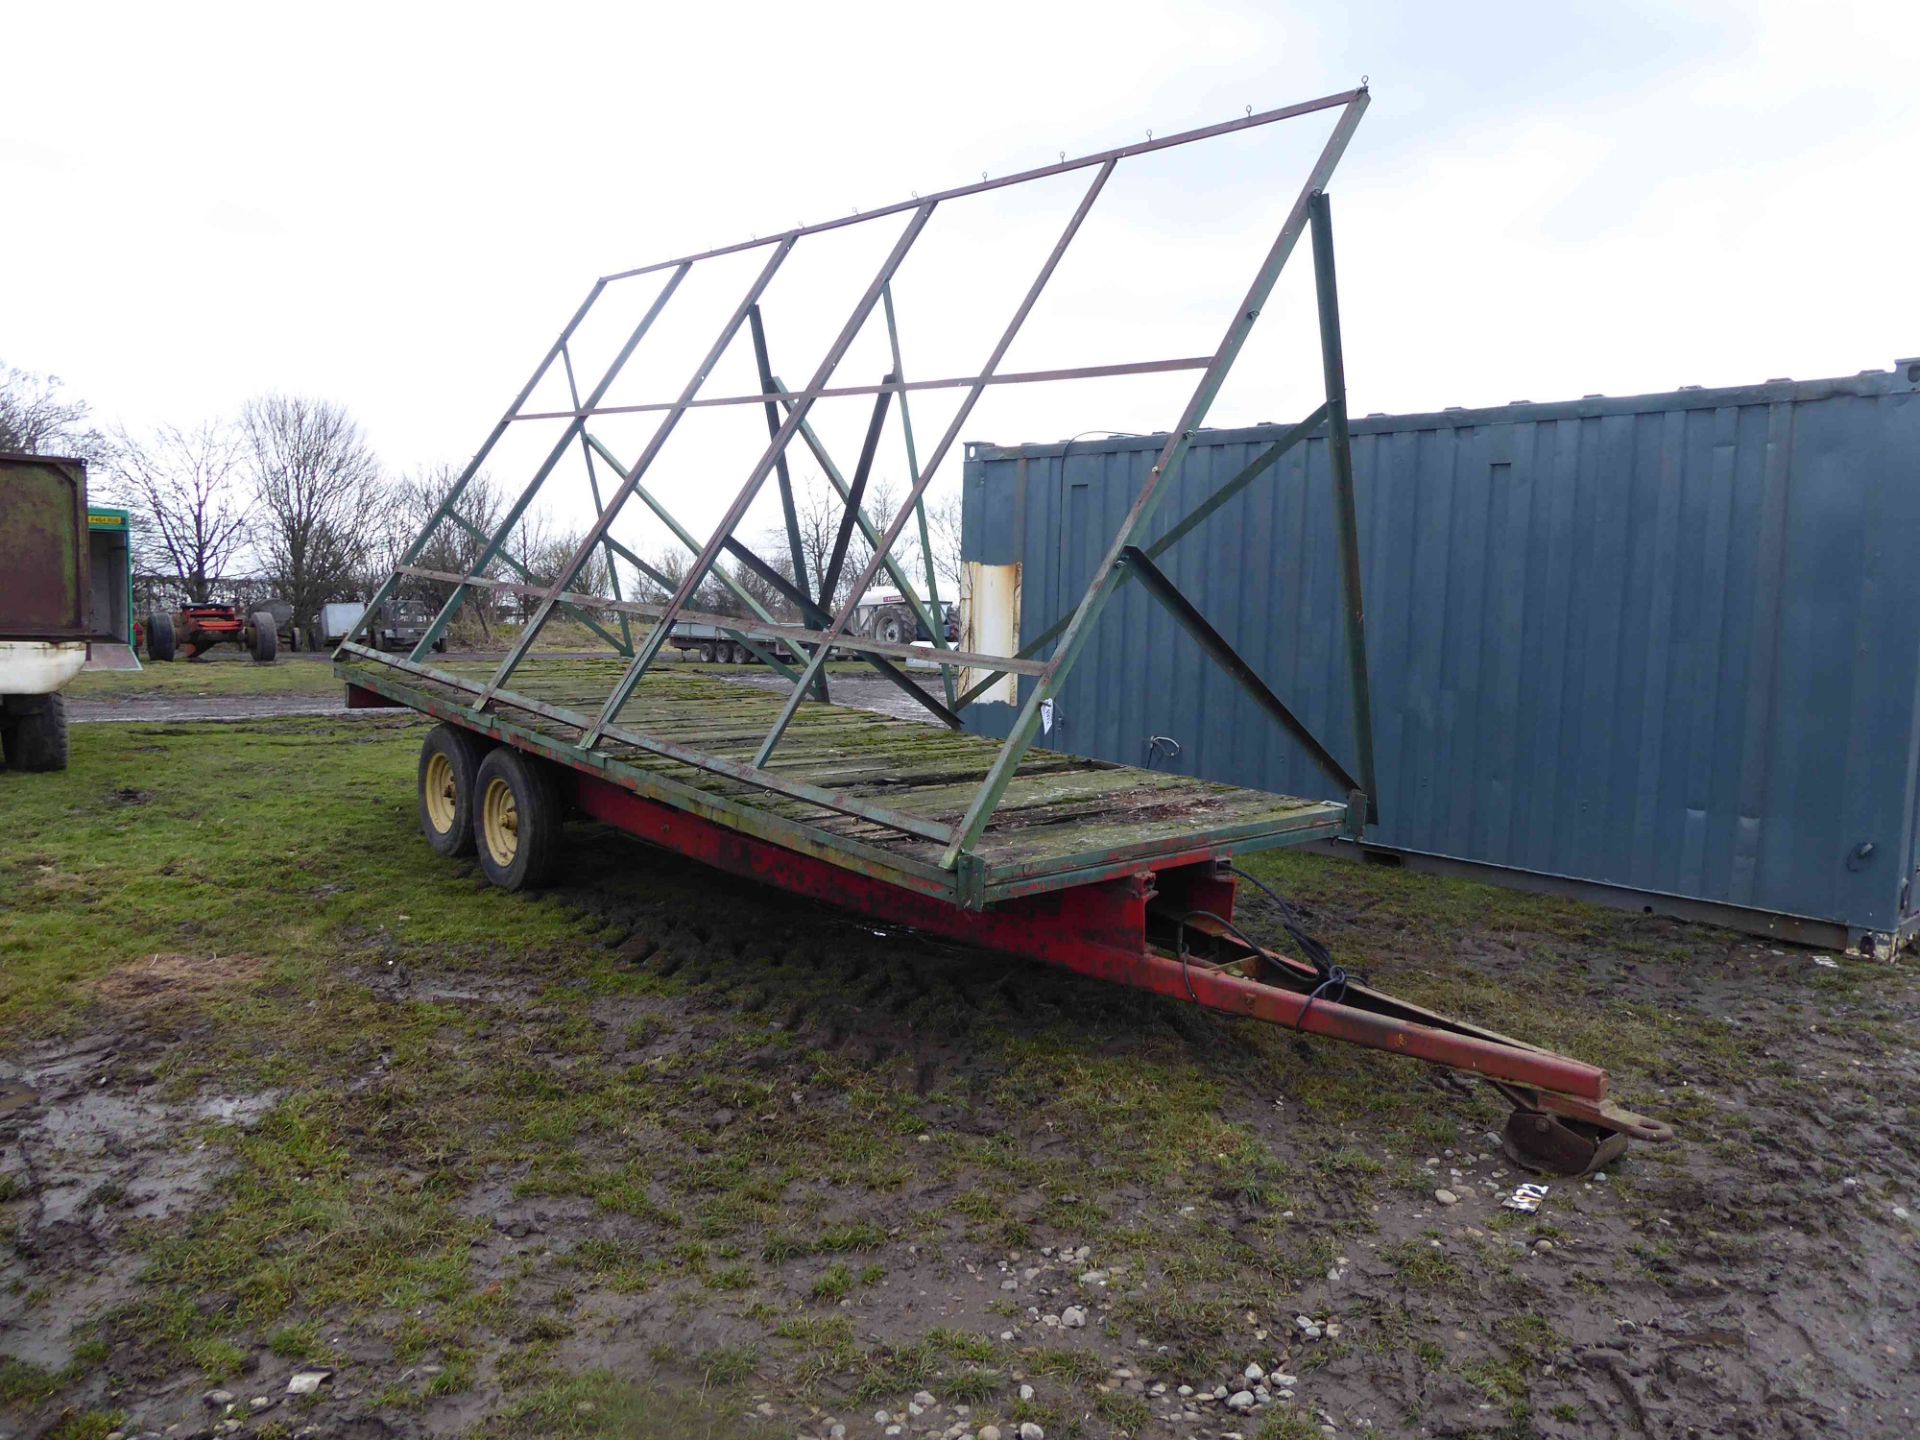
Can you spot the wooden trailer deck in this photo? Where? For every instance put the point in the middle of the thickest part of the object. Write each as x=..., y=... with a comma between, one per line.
x=1065, y=820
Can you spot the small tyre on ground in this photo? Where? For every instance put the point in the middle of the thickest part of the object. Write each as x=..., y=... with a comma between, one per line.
x=159, y=636
x=517, y=819
x=449, y=767
x=33, y=732
x=263, y=638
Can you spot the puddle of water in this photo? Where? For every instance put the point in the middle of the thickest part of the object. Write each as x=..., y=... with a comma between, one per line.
x=86, y=1161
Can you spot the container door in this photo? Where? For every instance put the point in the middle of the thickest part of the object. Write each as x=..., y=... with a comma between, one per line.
x=43, y=548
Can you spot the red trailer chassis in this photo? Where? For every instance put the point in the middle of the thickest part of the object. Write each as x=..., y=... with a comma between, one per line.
x=1168, y=929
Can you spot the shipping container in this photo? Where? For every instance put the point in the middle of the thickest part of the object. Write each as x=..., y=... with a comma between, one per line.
x=1661, y=650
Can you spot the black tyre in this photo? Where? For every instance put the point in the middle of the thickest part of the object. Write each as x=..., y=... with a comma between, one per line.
x=893, y=628
x=449, y=762
x=34, y=732
x=516, y=820
x=737, y=653
x=159, y=636
x=706, y=653
x=263, y=638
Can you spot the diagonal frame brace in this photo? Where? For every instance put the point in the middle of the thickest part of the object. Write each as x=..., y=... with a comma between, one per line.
x=773, y=577
x=967, y=403
x=814, y=615
x=446, y=507
x=650, y=648
x=1252, y=471
x=867, y=528
x=532, y=488
x=476, y=533
x=1026, y=726
x=1156, y=583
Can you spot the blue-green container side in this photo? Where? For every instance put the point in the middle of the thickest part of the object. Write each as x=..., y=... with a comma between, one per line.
x=1669, y=643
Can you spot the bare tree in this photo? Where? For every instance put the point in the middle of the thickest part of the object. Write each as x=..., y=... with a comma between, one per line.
x=530, y=543
x=820, y=511
x=770, y=597
x=36, y=419
x=321, y=503
x=712, y=595
x=185, y=486
x=943, y=528
x=454, y=547
x=546, y=562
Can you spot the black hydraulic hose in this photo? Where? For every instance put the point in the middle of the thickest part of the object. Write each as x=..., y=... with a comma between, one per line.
x=1334, y=977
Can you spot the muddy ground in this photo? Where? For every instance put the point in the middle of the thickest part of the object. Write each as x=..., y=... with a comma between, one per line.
x=664, y=1154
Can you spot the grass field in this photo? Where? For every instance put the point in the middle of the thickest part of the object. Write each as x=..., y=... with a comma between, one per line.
x=655, y=1149
x=218, y=674
x=226, y=672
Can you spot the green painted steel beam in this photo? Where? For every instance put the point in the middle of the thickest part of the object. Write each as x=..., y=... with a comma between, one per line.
x=868, y=529
x=685, y=537
x=1107, y=578
x=968, y=401
x=915, y=825
x=582, y=616
x=856, y=855
x=532, y=488
x=938, y=629
x=736, y=511
x=414, y=551
x=796, y=552
x=593, y=485
x=1346, y=522
x=1217, y=649
x=1247, y=475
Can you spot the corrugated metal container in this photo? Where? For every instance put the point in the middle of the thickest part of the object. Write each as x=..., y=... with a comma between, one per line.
x=43, y=548
x=1668, y=645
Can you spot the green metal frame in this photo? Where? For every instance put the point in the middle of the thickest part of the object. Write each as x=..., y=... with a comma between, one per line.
x=1048, y=659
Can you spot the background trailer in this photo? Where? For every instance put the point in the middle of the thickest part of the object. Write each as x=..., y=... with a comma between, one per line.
x=1660, y=650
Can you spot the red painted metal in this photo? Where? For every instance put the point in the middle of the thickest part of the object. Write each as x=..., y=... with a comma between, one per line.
x=359, y=697
x=1098, y=930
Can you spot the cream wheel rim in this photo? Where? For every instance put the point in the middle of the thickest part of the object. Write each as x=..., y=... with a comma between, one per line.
x=500, y=822
x=440, y=795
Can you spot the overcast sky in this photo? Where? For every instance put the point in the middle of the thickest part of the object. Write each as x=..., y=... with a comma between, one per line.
x=396, y=206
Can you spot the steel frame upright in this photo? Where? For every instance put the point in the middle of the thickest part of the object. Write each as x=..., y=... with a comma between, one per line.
x=786, y=417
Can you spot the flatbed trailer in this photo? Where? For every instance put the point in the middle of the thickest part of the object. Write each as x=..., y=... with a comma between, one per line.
x=1111, y=871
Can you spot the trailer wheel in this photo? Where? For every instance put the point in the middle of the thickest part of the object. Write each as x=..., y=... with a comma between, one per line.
x=706, y=652
x=449, y=762
x=516, y=821
x=159, y=636
x=34, y=732
x=263, y=638
x=737, y=654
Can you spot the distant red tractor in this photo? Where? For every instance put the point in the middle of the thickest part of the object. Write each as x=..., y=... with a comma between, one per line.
x=195, y=629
